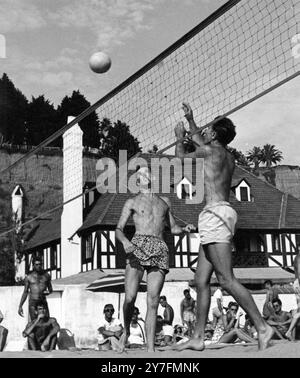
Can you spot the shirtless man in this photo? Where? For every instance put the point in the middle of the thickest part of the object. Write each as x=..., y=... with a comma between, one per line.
x=42, y=331
x=146, y=250
x=280, y=320
x=216, y=225
x=187, y=311
x=36, y=284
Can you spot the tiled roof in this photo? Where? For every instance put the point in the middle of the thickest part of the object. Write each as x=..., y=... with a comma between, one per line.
x=270, y=209
x=264, y=212
x=244, y=275
x=47, y=230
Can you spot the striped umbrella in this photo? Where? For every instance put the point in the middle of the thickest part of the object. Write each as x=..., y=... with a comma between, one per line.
x=113, y=283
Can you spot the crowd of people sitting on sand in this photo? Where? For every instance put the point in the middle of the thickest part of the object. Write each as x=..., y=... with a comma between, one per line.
x=228, y=323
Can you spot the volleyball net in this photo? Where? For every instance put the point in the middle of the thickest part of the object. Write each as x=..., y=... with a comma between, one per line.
x=239, y=53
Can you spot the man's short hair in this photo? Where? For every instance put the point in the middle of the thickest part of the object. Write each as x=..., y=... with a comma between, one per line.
x=224, y=129
x=186, y=291
x=230, y=304
x=36, y=258
x=162, y=298
x=268, y=282
x=108, y=305
x=277, y=300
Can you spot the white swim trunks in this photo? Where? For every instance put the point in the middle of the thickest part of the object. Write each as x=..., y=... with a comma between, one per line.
x=216, y=223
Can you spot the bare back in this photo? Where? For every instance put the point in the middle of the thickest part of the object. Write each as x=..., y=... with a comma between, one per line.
x=218, y=170
x=149, y=214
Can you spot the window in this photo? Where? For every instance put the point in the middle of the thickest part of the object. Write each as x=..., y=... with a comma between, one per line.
x=244, y=194
x=53, y=257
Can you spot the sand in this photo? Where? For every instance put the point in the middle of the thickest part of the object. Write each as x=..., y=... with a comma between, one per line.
x=278, y=349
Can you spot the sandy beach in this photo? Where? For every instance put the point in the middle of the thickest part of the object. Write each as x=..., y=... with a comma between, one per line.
x=278, y=349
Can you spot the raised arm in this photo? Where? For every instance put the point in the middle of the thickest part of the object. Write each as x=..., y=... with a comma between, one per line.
x=126, y=213
x=180, y=132
x=175, y=228
x=24, y=296
x=188, y=113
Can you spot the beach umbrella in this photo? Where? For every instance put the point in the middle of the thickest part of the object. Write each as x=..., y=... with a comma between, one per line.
x=113, y=283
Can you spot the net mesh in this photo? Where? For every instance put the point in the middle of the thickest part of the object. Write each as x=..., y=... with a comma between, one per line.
x=241, y=51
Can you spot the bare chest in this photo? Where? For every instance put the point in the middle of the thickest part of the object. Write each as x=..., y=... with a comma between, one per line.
x=153, y=207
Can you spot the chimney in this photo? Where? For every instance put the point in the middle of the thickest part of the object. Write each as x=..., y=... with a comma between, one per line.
x=72, y=215
x=17, y=204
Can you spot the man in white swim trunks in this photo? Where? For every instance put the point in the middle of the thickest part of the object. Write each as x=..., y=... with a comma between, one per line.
x=216, y=224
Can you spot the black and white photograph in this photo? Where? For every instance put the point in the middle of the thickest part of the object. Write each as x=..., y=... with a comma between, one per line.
x=149, y=183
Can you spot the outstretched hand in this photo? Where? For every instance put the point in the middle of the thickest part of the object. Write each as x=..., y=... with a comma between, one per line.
x=188, y=112
x=180, y=130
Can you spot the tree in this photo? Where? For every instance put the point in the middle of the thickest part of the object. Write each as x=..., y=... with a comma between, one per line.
x=239, y=157
x=270, y=155
x=254, y=156
x=13, y=112
x=117, y=137
x=73, y=106
x=153, y=150
x=41, y=120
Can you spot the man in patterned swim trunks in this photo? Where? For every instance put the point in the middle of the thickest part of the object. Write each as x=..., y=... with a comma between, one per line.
x=216, y=224
x=146, y=250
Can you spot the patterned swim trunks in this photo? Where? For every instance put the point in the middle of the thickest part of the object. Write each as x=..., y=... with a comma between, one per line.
x=148, y=252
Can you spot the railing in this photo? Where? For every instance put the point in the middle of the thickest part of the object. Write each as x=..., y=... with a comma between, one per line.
x=250, y=259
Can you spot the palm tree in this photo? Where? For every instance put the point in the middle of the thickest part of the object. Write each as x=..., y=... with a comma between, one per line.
x=254, y=156
x=239, y=157
x=270, y=155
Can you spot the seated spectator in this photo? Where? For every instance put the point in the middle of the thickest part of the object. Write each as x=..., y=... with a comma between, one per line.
x=291, y=332
x=159, y=334
x=136, y=338
x=180, y=334
x=3, y=334
x=231, y=332
x=208, y=334
x=271, y=294
x=164, y=332
x=110, y=331
x=218, y=311
x=280, y=320
x=249, y=328
x=42, y=331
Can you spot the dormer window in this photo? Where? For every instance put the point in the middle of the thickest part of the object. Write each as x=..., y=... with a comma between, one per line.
x=184, y=189
x=242, y=191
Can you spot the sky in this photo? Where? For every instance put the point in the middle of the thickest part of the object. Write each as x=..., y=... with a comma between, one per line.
x=49, y=42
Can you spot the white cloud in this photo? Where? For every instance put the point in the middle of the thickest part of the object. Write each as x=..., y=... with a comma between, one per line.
x=20, y=15
x=111, y=21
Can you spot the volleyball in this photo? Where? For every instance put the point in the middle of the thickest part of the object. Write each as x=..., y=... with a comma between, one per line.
x=100, y=62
